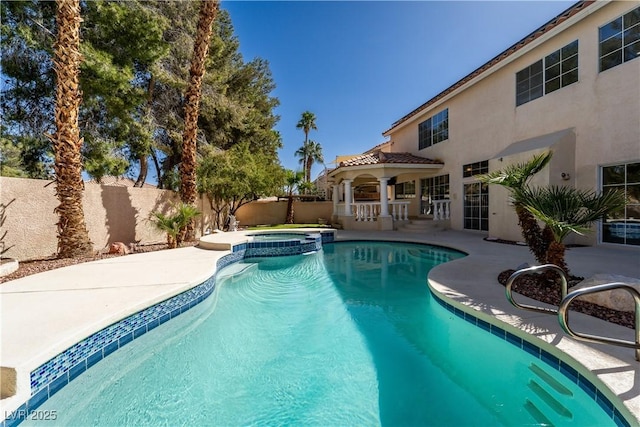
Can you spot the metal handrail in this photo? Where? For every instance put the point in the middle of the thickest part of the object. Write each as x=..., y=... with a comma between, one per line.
x=563, y=315
x=538, y=268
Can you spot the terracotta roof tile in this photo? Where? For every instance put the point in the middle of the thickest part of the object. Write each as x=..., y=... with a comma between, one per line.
x=378, y=157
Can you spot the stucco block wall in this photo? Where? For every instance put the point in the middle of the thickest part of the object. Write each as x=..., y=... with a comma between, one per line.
x=275, y=212
x=112, y=214
x=602, y=108
x=116, y=214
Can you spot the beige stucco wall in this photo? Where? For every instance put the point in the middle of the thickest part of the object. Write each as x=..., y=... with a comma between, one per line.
x=115, y=214
x=112, y=214
x=602, y=108
x=274, y=212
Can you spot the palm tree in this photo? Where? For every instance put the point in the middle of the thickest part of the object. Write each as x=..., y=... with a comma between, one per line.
x=567, y=210
x=174, y=224
x=314, y=154
x=188, y=190
x=73, y=237
x=307, y=123
x=515, y=178
x=292, y=180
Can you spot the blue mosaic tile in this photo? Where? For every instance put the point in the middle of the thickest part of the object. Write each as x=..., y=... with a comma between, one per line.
x=604, y=403
x=569, y=372
x=619, y=419
x=550, y=359
x=38, y=399
x=514, y=339
x=16, y=416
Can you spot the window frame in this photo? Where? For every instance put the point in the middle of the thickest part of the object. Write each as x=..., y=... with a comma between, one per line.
x=404, y=194
x=477, y=168
x=434, y=130
x=529, y=88
x=623, y=229
x=625, y=27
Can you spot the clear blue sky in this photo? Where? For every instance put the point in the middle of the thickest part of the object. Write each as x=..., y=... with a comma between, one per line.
x=361, y=65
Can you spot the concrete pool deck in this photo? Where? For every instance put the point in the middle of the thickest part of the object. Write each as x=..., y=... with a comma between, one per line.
x=44, y=314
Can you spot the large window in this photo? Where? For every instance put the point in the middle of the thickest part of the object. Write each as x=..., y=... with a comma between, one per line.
x=435, y=188
x=433, y=130
x=556, y=70
x=623, y=226
x=406, y=190
x=476, y=168
x=620, y=40
x=476, y=206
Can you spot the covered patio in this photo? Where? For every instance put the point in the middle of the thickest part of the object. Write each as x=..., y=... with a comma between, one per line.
x=364, y=191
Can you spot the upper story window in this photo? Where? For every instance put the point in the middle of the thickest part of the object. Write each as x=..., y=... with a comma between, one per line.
x=620, y=40
x=556, y=70
x=476, y=168
x=433, y=130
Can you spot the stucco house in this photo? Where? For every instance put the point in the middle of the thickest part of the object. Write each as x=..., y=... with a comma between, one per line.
x=571, y=86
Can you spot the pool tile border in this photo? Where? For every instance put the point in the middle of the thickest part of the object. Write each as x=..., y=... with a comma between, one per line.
x=51, y=376
x=550, y=360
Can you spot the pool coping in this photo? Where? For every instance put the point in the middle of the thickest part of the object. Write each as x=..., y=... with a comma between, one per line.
x=238, y=252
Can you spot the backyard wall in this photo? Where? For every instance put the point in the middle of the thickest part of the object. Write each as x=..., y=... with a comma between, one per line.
x=115, y=214
x=275, y=212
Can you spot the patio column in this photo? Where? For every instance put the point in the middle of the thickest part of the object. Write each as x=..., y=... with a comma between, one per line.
x=384, y=198
x=347, y=197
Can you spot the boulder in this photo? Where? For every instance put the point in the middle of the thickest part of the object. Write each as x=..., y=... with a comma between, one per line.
x=118, y=248
x=618, y=299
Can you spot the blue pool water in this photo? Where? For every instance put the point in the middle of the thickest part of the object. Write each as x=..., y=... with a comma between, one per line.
x=349, y=335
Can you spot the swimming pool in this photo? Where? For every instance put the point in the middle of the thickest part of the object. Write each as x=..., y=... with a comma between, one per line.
x=349, y=335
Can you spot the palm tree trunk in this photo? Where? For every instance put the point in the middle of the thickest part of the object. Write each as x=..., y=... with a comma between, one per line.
x=73, y=237
x=188, y=193
x=555, y=255
x=533, y=234
x=289, y=219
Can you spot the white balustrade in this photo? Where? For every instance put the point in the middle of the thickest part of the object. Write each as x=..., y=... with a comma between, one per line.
x=399, y=210
x=441, y=209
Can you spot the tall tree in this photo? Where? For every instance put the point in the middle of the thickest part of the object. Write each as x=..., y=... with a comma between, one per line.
x=314, y=154
x=237, y=176
x=307, y=123
x=73, y=237
x=188, y=189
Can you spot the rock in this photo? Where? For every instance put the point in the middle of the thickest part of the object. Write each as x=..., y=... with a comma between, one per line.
x=118, y=248
x=618, y=299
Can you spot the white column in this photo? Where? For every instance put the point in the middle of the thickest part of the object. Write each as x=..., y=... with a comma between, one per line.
x=384, y=198
x=347, y=197
x=335, y=197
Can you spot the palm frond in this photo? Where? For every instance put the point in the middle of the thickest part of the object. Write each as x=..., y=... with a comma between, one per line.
x=518, y=175
x=567, y=209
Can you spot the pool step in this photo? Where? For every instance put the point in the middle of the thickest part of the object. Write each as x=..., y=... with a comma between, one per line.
x=232, y=271
x=545, y=404
x=537, y=414
x=423, y=225
x=549, y=379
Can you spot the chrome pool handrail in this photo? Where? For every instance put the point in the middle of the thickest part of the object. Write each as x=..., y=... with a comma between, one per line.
x=563, y=316
x=535, y=269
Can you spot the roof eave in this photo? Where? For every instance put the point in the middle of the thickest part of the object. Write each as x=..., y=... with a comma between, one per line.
x=378, y=166
x=528, y=43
